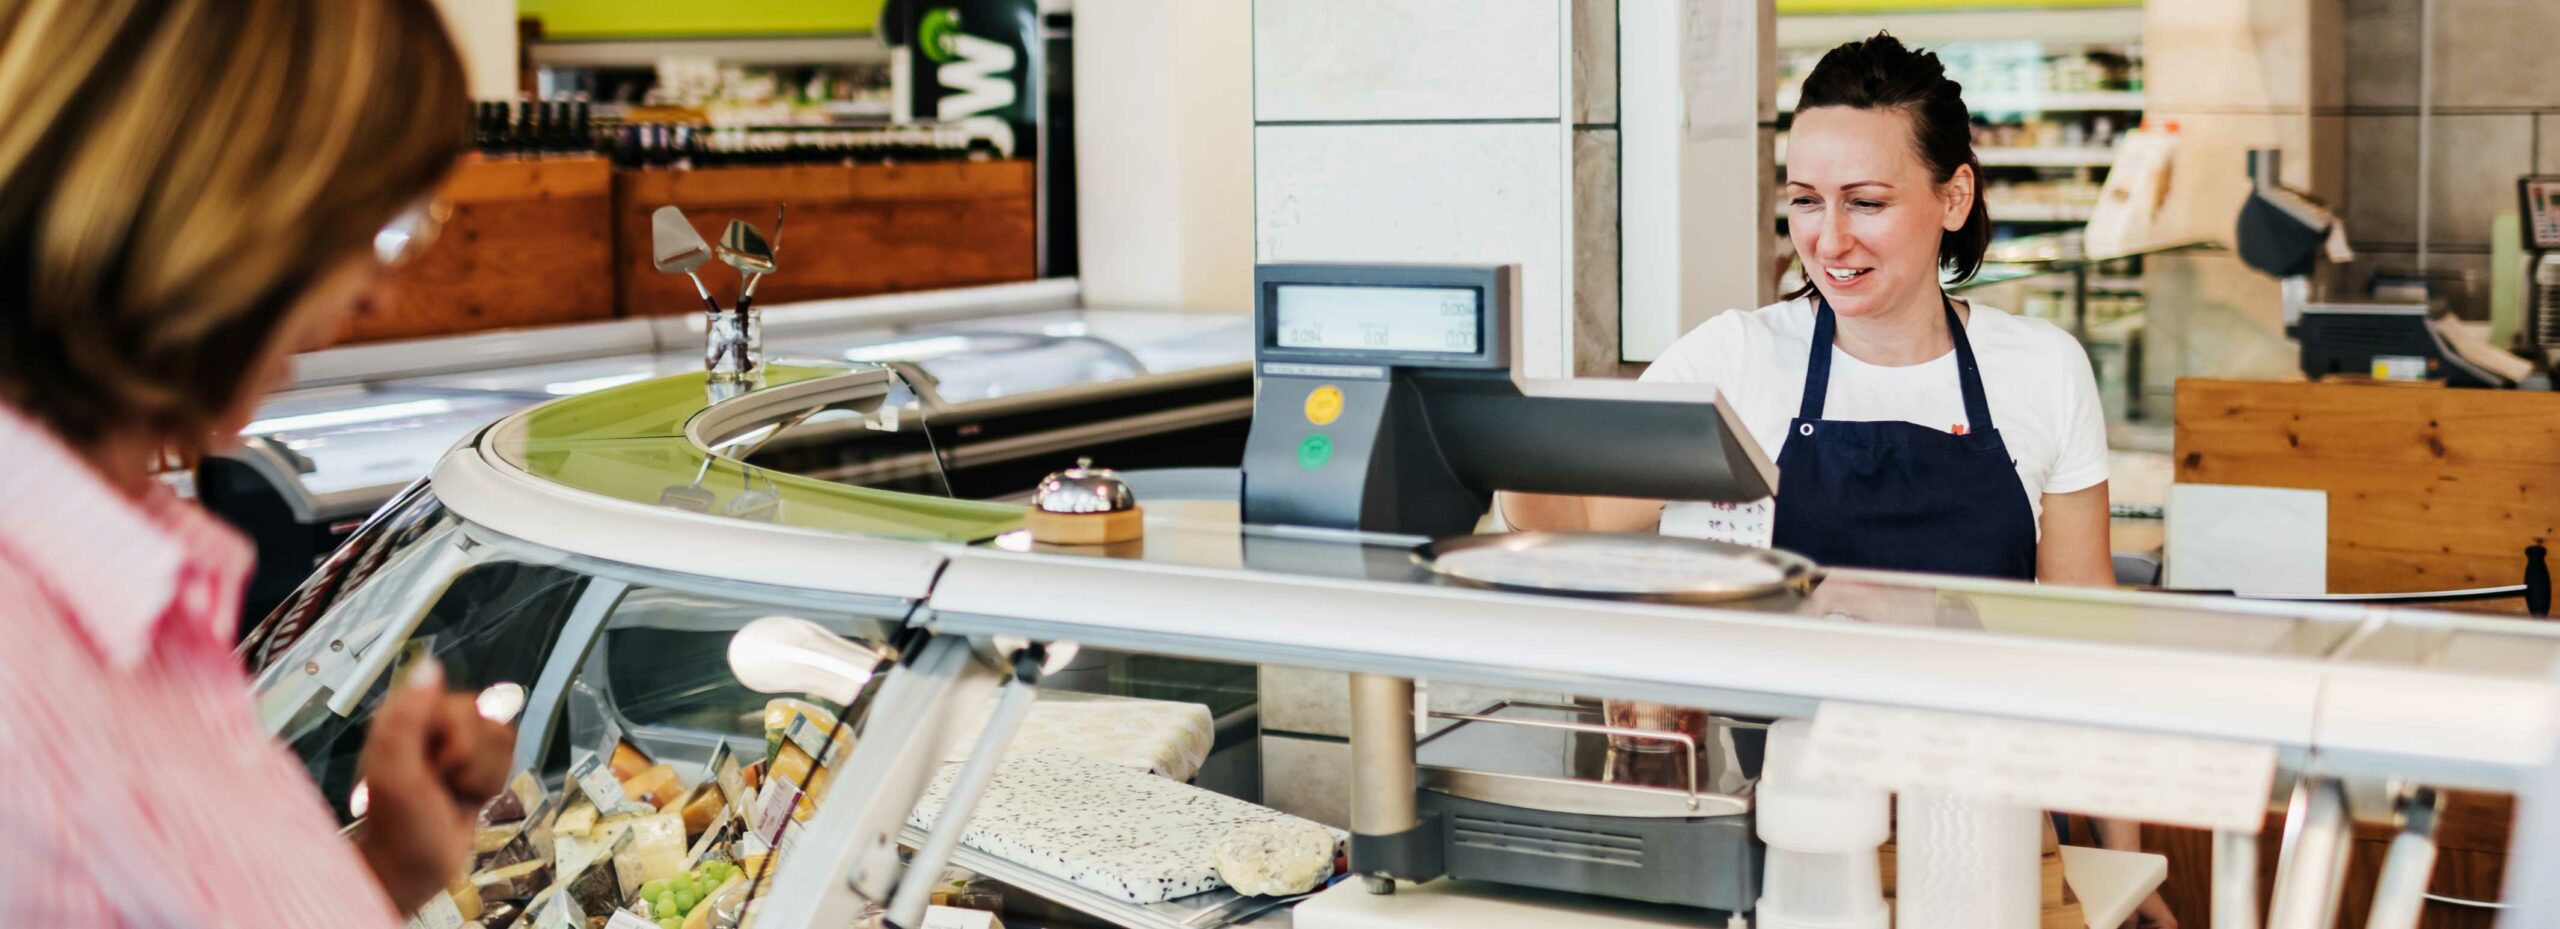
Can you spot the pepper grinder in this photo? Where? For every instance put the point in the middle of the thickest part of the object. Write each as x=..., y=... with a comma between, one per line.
x=1084, y=505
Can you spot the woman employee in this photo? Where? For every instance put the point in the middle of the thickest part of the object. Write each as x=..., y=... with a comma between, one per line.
x=1914, y=431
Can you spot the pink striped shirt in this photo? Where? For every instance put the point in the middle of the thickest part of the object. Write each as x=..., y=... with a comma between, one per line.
x=136, y=787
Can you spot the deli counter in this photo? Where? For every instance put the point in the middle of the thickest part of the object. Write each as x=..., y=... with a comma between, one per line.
x=601, y=554
x=1000, y=382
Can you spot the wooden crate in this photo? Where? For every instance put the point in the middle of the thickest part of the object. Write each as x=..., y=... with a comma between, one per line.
x=2428, y=489
x=852, y=230
x=528, y=244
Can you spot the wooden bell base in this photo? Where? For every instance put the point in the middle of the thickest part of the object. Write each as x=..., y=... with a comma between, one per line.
x=1085, y=528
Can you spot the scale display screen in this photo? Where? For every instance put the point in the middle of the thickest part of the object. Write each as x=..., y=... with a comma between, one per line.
x=1333, y=317
x=2542, y=212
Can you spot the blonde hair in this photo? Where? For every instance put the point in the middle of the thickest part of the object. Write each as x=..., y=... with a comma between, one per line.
x=175, y=173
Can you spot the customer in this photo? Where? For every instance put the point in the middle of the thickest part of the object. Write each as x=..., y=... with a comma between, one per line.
x=190, y=189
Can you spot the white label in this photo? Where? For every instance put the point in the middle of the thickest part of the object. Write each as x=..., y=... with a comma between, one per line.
x=773, y=810
x=625, y=919
x=806, y=733
x=733, y=782
x=595, y=779
x=952, y=917
x=441, y=913
x=2118, y=775
x=562, y=912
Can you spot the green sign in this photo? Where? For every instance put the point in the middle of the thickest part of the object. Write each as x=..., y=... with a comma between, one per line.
x=971, y=63
x=684, y=19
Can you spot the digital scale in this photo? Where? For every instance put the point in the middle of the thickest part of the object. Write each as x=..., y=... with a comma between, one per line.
x=2540, y=197
x=1387, y=403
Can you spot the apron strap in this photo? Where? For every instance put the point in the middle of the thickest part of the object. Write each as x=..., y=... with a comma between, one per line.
x=1977, y=407
x=1817, y=369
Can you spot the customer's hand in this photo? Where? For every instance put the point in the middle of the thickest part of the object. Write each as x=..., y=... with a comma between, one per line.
x=429, y=763
x=2153, y=914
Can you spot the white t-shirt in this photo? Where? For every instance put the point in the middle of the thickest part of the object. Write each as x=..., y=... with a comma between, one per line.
x=2043, y=396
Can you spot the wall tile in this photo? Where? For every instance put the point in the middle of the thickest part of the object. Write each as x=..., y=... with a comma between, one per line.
x=2477, y=160
x=2547, y=149
x=2382, y=52
x=1304, y=701
x=1595, y=61
x=1446, y=193
x=2228, y=53
x=1407, y=59
x=1309, y=778
x=1595, y=253
x=2496, y=53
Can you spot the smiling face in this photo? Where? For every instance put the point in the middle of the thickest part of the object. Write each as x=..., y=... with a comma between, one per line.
x=1865, y=211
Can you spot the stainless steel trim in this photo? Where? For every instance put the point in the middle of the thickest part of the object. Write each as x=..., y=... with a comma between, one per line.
x=1794, y=571
x=1382, y=766
x=2459, y=901
x=881, y=470
x=2235, y=880
x=476, y=351
x=861, y=389
x=1146, y=424
x=1569, y=795
x=1682, y=739
x=2312, y=867
x=1104, y=390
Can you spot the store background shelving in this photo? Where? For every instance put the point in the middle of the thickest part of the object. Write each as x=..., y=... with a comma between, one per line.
x=2054, y=87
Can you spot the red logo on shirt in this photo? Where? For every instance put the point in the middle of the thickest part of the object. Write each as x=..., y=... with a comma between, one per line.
x=1958, y=429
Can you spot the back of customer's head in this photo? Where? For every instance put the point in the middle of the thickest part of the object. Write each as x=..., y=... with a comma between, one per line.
x=175, y=174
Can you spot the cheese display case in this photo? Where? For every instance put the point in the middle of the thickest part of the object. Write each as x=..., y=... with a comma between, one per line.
x=602, y=555
x=995, y=385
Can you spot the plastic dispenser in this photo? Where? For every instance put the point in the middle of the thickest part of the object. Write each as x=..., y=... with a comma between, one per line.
x=1821, y=869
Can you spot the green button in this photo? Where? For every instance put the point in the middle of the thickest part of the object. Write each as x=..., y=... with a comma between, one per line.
x=1315, y=451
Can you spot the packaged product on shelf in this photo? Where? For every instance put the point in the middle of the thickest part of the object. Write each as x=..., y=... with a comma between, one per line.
x=656, y=849
x=515, y=883
x=658, y=786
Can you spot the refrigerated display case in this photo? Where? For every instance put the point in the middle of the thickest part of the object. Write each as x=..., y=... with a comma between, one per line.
x=565, y=550
x=997, y=386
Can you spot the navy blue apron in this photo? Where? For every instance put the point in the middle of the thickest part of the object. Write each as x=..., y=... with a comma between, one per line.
x=1902, y=496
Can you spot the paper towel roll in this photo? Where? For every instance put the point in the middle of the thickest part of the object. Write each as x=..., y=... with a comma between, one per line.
x=1967, y=864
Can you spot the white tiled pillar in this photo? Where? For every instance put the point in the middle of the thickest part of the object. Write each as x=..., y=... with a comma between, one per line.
x=1697, y=116
x=1421, y=131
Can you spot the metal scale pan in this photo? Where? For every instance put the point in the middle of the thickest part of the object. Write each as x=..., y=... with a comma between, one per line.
x=1616, y=565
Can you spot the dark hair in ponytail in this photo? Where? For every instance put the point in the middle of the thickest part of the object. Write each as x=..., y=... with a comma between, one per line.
x=1883, y=74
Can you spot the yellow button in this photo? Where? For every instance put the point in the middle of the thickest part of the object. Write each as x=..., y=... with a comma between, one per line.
x=1324, y=405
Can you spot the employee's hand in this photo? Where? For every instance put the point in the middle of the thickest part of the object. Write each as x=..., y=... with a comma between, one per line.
x=2153, y=914
x=430, y=761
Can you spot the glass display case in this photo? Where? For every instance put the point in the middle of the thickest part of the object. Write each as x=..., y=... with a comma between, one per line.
x=573, y=551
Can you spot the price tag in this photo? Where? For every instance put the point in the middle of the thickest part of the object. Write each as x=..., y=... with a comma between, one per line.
x=561, y=911
x=441, y=913
x=625, y=919
x=732, y=780
x=595, y=779
x=811, y=737
x=2117, y=775
x=773, y=810
x=952, y=917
